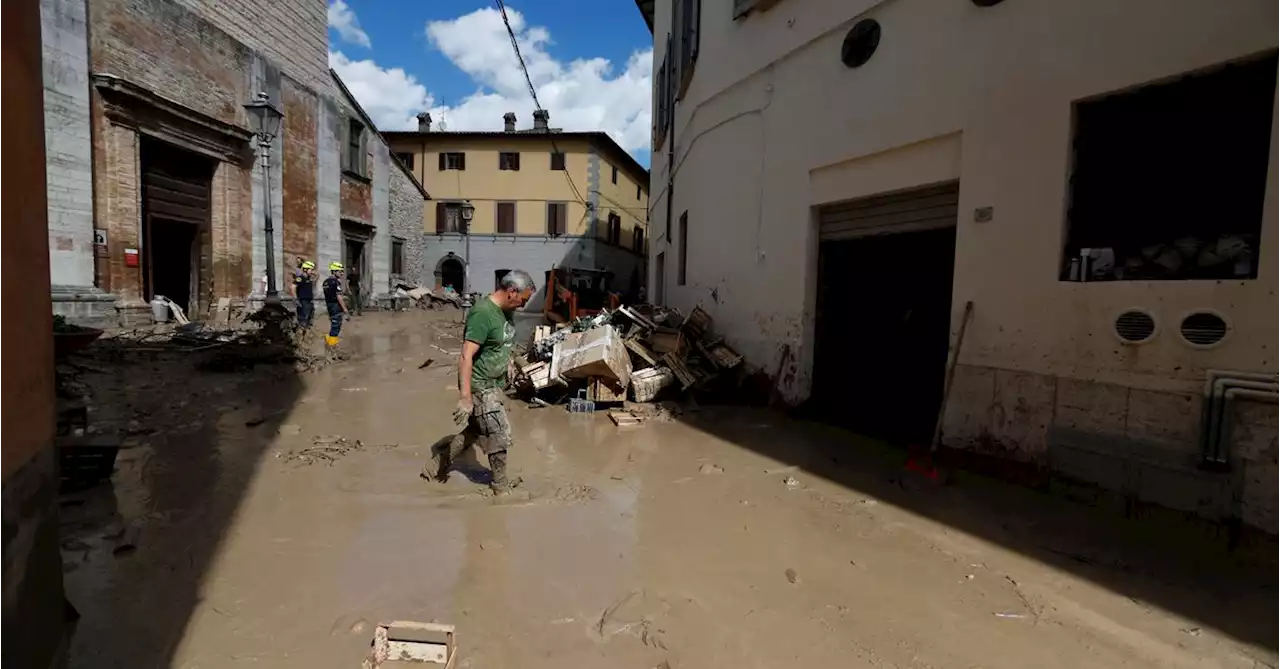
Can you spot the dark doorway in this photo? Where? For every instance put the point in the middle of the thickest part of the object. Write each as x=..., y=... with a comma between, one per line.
x=452, y=274
x=882, y=332
x=173, y=255
x=176, y=205
x=356, y=238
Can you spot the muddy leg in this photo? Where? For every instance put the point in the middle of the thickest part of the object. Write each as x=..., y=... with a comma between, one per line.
x=498, y=464
x=444, y=454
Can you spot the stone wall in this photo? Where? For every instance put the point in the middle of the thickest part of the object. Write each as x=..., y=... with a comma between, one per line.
x=67, y=142
x=405, y=213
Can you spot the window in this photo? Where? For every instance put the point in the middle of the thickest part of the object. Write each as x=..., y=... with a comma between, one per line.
x=637, y=240
x=557, y=218
x=613, y=234
x=448, y=218
x=683, y=269
x=509, y=160
x=453, y=160
x=661, y=101
x=639, y=193
x=397, y=255
x=407, y=159
x=1168, y=180
x=615, y=173
x=557, y=160
x=688, y=18
x=506, y=215
x=353, y=160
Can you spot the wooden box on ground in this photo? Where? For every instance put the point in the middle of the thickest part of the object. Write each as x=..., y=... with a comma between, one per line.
x=598, y=352
x=408, y=644
x=605, y=391
x=646, y=383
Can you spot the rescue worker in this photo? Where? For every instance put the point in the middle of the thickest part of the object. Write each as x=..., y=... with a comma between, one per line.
x=482, y=376
x=335, y=303
x=303, y=289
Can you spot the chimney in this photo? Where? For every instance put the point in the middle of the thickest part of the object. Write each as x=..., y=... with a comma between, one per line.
x=540, y=118
x=509, y=122
x=424, y=122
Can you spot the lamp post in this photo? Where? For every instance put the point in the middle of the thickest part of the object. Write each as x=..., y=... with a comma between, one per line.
x=468, y=211
x=264, y=120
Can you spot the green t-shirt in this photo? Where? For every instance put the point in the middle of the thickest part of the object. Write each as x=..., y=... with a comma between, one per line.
x=492, y=328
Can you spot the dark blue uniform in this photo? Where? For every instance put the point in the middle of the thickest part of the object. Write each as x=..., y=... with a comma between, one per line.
x=305, y=289
x=332, y=289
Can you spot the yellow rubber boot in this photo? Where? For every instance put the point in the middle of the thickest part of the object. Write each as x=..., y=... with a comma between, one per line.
x=331, y=341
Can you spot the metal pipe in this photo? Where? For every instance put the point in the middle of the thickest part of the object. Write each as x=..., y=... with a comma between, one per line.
x=1213, y=454
x=1223, y=435
x=1208, y=402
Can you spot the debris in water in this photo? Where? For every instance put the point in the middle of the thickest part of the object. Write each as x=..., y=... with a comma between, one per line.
x=710, y=469
x=1193, y=631
x=427, y=363
x=1010, y=615
x=791, y=482
x=792, y=577
x=328, y=450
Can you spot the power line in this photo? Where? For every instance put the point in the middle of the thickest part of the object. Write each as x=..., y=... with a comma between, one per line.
x=533, y=92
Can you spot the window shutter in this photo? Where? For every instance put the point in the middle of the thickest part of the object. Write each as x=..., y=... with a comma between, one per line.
x=346, y=144
x=362, y=166
x=442, y=161
x=562, y=219
x=515, y=161
x=462, y=161
x=551, y=218
x=441, y=210
x=693, y=28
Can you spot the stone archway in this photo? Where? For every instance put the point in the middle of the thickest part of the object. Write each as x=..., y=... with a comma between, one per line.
x=451, y=270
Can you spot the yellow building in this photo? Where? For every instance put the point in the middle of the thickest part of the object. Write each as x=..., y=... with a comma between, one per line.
x=541, y=197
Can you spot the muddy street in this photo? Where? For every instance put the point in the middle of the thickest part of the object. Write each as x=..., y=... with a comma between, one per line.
x=272, y=517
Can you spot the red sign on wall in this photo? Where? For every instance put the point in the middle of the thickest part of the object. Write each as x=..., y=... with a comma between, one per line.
x=131, y=257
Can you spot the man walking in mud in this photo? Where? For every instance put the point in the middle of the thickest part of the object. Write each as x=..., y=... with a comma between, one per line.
x=482, y=376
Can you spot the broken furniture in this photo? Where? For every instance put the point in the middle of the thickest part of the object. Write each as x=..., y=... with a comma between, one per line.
x=405, y=643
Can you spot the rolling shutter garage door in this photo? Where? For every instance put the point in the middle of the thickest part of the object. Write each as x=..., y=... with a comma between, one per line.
x=925, y=208
x=176, y=192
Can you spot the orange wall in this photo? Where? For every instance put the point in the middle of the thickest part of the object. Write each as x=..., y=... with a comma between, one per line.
x=26, y=345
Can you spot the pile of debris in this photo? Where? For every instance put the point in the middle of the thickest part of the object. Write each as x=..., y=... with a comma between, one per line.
x=425, y=298
x=642, y=353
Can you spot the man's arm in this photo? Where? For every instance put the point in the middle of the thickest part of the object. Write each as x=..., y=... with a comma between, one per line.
x=342, y=302
x=465, y=362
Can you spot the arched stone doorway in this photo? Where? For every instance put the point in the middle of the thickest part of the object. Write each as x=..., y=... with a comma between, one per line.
x=451, y=271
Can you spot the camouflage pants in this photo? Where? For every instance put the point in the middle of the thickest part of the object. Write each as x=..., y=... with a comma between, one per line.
x=488, y=428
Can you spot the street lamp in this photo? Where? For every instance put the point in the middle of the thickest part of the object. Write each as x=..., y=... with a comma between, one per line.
x=468, y=211
x=264, y=120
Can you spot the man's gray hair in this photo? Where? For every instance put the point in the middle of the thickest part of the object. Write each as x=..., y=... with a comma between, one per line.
x=517, y=279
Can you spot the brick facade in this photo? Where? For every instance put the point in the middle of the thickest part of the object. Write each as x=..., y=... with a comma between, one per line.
x=177, y=73
x=356, y=199
x=300, y=194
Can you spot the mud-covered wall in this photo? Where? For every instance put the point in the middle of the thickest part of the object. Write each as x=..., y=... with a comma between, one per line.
x=32, y=597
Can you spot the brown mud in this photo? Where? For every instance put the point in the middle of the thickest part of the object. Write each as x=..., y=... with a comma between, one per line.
x=270, y=518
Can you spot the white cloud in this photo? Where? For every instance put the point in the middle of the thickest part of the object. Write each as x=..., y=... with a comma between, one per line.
x=391, y=97
x=342, y=19
x=583, y=94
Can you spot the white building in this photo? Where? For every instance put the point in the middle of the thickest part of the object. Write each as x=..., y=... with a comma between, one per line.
x=834, y=181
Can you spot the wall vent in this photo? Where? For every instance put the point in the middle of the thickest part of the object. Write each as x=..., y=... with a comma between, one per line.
x=1203, y=328
x=1135, y=327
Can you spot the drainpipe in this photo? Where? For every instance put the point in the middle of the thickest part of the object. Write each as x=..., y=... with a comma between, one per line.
x=671, y=181
x=1228, y=399
x=1212, y=412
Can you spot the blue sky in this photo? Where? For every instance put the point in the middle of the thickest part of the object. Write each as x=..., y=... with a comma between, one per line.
x=591, y=63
